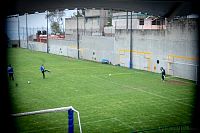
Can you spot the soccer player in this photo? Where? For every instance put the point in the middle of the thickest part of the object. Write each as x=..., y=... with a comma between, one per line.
x=162, y=73
x=43, y=70
x=10, y=72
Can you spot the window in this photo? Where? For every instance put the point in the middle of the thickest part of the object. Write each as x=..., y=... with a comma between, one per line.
x=141, y=22
x=156, y=22
x=153, y=22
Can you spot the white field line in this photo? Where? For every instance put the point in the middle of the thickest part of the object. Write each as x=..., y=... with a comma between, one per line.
x=96, y=121
x=67, y=69
x=173, y=79
x=103, y=120
x=130, y=73
x=82, y=68
x=123, y=123
x=167, y=77
x=121, y=74
x=183, y=99
x=47, y=129
x=158, y=114
x=127, y=126
x=141, y=90
x=138, y=90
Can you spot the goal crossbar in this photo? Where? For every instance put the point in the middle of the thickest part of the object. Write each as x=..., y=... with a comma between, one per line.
x=61, y=109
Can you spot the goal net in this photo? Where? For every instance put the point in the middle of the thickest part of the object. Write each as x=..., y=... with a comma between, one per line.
x=69, y=109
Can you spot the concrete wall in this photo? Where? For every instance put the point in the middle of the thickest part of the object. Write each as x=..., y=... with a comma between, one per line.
x=37, y=46
x=177, y=44
x=96, y=48
x=23, y=43
x=58, y=47
x=71, y=23
x=92, y=12
x=176, y=48
x=102, y=47
x=63, y=47
x=13, y=43
x=121, y=23
x=92, y=24
x=88, y=26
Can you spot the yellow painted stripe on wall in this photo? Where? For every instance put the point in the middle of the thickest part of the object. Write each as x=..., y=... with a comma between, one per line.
x=182, y=57
x=72, y=46
x=134, y=51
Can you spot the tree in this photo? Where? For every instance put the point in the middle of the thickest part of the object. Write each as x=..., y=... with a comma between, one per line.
x=56, y=21
x=79, y=13
x=55, y=28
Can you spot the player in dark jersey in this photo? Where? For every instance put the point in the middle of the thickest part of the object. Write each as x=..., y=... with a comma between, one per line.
x=10, y=72
x=43, y=70
x=162, y=73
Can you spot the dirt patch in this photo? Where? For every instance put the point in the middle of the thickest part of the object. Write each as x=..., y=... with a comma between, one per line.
x=178, y=82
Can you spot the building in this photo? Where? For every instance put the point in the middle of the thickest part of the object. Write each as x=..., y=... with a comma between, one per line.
x=92, y=21
x=122, y=20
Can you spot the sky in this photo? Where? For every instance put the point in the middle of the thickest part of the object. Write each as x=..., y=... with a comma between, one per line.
x=34, y=21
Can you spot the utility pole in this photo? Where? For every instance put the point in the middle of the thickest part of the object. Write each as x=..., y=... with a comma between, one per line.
x=131, y=46
x=26, y=32
x=77, y=34
x=47, y=33
x=126, y=20
x=18, y=30
x=63, y=26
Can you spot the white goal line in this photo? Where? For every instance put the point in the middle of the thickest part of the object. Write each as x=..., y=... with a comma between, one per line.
x=61, y=109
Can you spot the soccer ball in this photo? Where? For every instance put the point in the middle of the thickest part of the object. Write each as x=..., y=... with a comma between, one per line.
x=29, y=82
x=109, y=74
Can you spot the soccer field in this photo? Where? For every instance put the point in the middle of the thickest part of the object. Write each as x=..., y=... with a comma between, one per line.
x=126, y=101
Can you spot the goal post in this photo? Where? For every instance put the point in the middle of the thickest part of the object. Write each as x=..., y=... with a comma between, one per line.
x=70, y=110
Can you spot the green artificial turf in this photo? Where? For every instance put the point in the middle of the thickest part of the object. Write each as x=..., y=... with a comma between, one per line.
x=128, y=100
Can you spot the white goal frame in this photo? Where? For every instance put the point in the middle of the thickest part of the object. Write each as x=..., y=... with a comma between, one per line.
x=61, y=109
